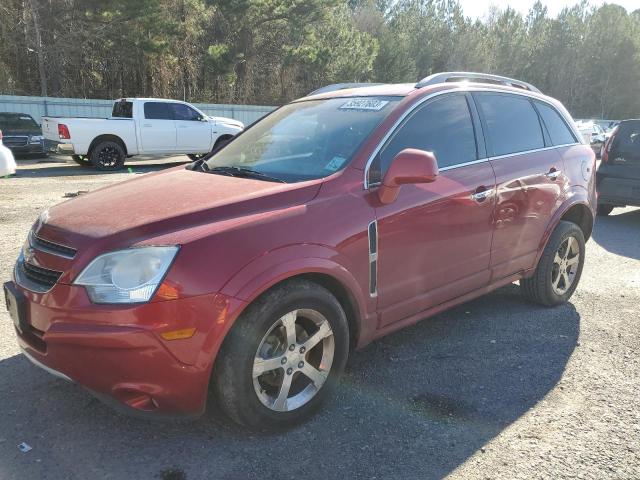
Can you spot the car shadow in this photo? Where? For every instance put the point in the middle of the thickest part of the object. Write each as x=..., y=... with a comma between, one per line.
x=53, y=167
x=619, y=233
x=416, y=404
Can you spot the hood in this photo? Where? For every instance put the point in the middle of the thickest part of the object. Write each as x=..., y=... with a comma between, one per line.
x=166, y=202
x=227, y=121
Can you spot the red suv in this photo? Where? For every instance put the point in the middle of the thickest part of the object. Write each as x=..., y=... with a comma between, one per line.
x=335, y=220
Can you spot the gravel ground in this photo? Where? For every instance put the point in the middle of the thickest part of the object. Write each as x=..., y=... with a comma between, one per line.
x=495, y=388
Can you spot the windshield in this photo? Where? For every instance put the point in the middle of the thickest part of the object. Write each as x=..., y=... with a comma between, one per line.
x=305, y=140
x=17, y=121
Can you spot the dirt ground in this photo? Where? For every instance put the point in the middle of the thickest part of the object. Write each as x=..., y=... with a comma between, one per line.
x=496, y=388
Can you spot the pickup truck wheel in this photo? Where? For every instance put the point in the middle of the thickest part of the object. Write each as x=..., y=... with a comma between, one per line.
x=283, y=356
x=559, y=269
x=81, y=160
x=108, y=155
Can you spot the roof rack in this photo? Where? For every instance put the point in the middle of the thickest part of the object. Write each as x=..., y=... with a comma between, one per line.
x=475, y=77
x=342, y=86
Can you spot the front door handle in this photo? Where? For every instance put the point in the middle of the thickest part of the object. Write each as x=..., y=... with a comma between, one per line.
x=553, y=174
x=482, y=195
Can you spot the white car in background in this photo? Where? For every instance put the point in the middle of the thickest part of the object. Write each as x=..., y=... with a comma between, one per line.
x=7, y=162
x=593, y=134
x=139, y=126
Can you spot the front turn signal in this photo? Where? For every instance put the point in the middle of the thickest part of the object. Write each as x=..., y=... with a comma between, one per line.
x=179, y=334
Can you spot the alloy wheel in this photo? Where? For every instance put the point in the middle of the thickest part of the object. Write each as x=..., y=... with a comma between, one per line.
x=108, y=157
x=565, y=265
x=293, y=360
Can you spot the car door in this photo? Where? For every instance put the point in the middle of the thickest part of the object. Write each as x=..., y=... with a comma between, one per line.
x=194, y=134
x=529, y=179
x=158, y=129
x=434, y=239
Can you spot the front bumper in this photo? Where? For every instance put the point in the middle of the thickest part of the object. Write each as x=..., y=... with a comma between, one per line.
x=118, y=353
x=28, y=149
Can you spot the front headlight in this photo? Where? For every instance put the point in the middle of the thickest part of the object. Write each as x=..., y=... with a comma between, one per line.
x=126, y=276
x=37, y=138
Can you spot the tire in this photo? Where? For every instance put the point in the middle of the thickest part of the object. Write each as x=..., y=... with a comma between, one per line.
x=261, y=334
x=81, y=160
x=604, y=209
x=108, y=156
x=565, y=251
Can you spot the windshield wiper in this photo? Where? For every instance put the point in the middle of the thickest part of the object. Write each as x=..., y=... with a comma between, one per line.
x=240, y=172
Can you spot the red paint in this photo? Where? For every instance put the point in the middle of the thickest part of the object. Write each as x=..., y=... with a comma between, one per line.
x=437, y=247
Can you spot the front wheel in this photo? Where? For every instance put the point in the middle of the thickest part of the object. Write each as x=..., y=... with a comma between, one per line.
x=108, y=155
x=559, y=269
x=283, y=357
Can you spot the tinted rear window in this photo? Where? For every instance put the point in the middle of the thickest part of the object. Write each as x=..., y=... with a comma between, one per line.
x=157, y=111
x=512, y=123
x=628, y=137
x=122, y=109
x=558, y=129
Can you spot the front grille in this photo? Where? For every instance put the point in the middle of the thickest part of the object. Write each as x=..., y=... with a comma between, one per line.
x=43, y=277
x=53, y=248
x=15, y=141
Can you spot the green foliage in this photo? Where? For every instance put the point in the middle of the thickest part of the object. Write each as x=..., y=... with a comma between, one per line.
x=270, y=51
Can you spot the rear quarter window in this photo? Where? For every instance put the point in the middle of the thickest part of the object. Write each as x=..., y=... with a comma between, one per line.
x=512, y=123
x=558, y=130
x=122, y=109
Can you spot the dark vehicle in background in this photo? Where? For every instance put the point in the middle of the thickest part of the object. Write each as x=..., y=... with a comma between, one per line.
x=22, y=134
x=618, y=176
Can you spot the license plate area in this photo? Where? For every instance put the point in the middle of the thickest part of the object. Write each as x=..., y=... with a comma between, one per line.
x=17, y=306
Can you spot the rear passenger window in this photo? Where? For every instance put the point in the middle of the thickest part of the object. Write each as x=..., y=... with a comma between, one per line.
x=157, y=111
x=442, y=126
x=513, y=124
x=556, y=126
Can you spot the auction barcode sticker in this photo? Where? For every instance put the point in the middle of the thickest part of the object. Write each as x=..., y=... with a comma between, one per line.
x=367, y=104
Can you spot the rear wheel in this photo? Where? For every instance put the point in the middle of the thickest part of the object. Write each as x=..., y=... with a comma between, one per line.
x=604, y=209
x=283, y=357
x=559, y=269
x=81, y=160
x=108, y=155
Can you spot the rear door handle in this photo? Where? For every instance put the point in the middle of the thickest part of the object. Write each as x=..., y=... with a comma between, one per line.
x=553, y=174
x=482, y=195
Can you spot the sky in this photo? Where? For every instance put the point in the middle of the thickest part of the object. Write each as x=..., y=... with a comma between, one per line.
x=478, y=8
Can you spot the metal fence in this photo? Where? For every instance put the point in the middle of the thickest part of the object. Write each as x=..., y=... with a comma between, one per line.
x=38, y=107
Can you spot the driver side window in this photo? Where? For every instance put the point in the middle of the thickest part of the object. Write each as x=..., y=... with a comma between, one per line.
x=184, y=112
x=442, y=126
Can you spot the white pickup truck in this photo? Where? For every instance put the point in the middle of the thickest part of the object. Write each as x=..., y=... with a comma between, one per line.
x=139, y=126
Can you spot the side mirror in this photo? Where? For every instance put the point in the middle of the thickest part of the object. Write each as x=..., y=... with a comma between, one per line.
x=410, y=166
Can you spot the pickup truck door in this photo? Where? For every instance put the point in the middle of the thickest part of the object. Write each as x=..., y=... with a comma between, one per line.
x=193, y=132
x=157, y=128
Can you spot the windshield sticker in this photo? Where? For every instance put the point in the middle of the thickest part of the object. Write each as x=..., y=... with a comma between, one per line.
x=364, y=104
x=335, y=163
